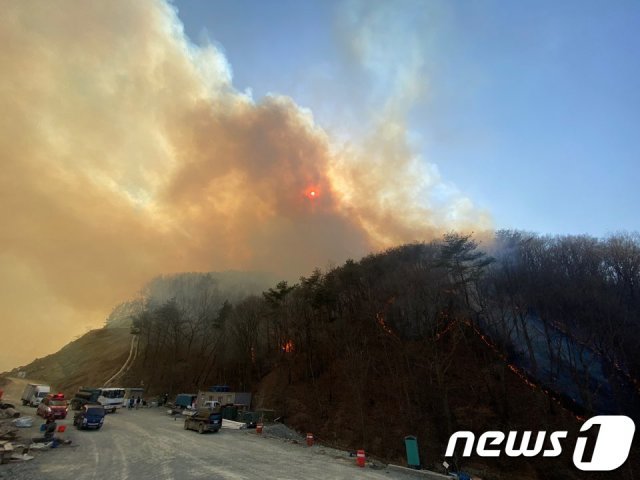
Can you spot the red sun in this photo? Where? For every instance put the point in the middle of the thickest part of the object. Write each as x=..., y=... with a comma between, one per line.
x=312, y=193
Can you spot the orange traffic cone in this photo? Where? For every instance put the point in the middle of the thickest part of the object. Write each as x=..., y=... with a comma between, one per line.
x=309, y=439
x=360, y=458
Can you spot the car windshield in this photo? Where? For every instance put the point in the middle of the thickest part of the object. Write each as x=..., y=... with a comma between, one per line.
x=95, y=411
x=42, y=394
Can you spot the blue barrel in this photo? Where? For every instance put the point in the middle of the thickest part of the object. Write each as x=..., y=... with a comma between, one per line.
x=413, y=456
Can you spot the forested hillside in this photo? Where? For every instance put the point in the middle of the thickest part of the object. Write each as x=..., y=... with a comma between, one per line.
x=525, y=332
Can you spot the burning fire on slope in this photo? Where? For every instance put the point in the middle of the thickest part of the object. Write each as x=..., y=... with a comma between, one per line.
x=288, y=346
x=523, y=376
x=615, y=363
x=383, y=324
x=381, y=320
x=449, y=325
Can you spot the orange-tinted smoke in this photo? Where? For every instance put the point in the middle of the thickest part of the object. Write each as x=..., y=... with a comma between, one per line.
x=127, y=153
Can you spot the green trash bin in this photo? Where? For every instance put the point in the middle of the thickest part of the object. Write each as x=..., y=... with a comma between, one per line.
x=230, y=412
x=413, y=456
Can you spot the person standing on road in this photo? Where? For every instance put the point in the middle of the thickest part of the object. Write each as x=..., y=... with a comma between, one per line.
x=130, y=403
x=137, y=402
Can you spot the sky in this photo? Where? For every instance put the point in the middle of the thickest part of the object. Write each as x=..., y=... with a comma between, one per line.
x=152, y=137
x=531, y=109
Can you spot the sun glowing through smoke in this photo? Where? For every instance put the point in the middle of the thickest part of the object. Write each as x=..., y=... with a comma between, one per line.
x=129, y=153
x=312, y=192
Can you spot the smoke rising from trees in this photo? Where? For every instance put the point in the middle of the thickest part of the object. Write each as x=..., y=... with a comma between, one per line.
x=127, y=153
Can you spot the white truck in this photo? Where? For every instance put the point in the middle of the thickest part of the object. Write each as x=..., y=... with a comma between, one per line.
x=34, y=394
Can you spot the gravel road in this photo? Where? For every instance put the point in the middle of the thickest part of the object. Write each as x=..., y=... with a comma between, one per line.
x=148, y=444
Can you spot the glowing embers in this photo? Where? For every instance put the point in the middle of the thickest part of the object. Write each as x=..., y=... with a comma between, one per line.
x=287, y=347
x=383, y=323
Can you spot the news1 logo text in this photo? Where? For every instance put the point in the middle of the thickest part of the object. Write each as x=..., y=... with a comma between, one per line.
x=610, y=451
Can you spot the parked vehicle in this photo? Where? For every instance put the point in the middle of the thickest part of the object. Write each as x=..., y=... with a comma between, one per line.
x=110, y=398
x=58, y=405
x=185, y=404
x=34, y=393
x=83, y=396
x=185, y=400
x=90, y=416
x=55, y=405
x=204, y=420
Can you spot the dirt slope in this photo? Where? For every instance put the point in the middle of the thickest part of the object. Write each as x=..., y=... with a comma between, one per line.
x=89, y=360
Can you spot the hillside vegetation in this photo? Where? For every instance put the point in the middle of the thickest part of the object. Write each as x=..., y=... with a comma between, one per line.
x=422, y=339
x=524, y=333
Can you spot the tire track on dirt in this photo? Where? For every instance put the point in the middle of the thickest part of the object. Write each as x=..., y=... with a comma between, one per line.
x=133, y=353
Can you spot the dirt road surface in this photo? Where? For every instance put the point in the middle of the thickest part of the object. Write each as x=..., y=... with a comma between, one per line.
x=149, y=444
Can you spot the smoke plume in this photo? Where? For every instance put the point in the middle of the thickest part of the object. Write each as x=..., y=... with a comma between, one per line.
x=126, y=153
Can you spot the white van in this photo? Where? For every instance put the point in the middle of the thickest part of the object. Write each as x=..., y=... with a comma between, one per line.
x=34, y=394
